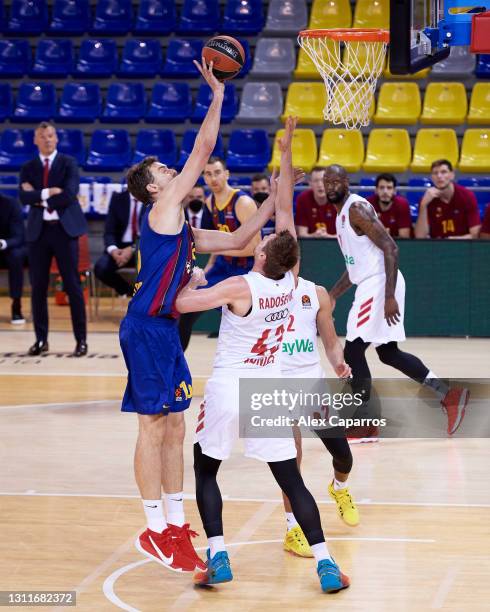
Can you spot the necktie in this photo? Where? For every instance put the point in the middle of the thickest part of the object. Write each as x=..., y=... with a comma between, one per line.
x=46, y=177
x=194, y=220
x=134, y=222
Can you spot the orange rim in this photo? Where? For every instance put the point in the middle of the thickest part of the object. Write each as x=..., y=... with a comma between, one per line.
x=349, y=34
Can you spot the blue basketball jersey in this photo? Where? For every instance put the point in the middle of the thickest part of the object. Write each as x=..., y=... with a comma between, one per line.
x=165, y=263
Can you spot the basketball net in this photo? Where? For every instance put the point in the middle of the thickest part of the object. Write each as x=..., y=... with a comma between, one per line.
x=350, y=62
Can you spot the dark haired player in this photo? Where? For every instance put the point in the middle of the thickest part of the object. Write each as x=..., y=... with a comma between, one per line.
x=159, y=386
x=393, y=210
x=376, y=316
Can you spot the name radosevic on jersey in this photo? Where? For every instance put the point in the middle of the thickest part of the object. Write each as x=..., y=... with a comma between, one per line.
x=362, y=257
x=254, y=341
x=299, y=346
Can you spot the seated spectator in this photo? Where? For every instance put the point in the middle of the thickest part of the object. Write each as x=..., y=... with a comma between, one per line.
x=447, y=210
x=393, y=210
x=485, y=228
x=260, y=189
x=315, y=217
x=121, y=234
x=13, y=252
x=195, y=209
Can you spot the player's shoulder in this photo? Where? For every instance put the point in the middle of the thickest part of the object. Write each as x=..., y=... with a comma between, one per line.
x=401, y=202
x=245, y=199
x=321, y=293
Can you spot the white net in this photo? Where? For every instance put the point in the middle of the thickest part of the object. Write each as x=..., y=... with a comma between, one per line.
x=350, y=71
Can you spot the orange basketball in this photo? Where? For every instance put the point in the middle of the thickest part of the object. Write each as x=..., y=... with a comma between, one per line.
x=227, y=55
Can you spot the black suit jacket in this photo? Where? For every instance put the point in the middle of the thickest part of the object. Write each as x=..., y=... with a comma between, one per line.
x=11, y=222
x=206, y=219
x=117, y=219
x=63, y=174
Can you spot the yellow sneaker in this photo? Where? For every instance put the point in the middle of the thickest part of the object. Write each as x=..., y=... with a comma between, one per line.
x=296, y=543
x=346, y=507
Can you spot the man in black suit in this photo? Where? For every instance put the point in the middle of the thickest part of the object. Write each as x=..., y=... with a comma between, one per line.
x=195, y=209
x=120, y=237
x=49, y=186
x=12, y=252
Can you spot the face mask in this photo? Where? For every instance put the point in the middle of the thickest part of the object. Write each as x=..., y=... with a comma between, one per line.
x=195, y=205
x=260, y=197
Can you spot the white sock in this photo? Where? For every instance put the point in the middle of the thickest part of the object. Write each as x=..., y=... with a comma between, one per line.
x=321, y=551
x=338, y=485
x=436, y=384
x=154, y=514
x=175, y=508
x=216, y=545
x=290, y=520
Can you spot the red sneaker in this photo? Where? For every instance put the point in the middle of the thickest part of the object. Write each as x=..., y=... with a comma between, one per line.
x=164, y=549
x=358, y=435
x=182, y=538
x=454, y=403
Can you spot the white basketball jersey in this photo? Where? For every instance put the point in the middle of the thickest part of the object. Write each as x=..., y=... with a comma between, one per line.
x=362, y=257
x=254, y=341
x=299, y=346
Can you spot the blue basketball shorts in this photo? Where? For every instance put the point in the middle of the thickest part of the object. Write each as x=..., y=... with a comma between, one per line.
x=159, y=380
x=222, y=270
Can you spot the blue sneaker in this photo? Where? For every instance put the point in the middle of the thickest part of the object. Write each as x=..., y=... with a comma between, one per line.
x=218, y=570
x=331, y=578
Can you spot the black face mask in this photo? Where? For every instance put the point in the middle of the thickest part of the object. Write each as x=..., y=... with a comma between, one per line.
x=195, y=205
x=260, y=197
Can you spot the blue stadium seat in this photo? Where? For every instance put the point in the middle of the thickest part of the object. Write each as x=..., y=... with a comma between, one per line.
x=235, y=181
x=248, y=151
x=54, y=58
x=35, y=102
x=97, y=58
x=199, y=17
x=243, y=17
x=158, y=143
x=15, y=58
x=113, y=17
x=141, y=58
x=180, y=54
x=110, y=151
x=170, y=102
x=5, y=101
x=70, y=17
x=367, y=181
x=9, y=180
x=204, y=97
x=482, y=197
x=482, y=70
x=125, y=102
x=414, y=197
x=188, y=143
x=16, y=147
x=70, y=142
x=80, y=102
x=156, y=17
x=27, y=17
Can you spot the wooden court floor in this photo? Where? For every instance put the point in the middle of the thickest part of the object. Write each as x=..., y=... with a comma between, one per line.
x=70, y=511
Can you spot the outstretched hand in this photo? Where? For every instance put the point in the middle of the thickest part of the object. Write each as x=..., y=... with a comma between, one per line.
x=208, y=75
x=273, y=183
x=285, y=141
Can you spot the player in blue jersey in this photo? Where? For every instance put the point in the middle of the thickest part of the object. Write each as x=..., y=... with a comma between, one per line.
x=159, y=386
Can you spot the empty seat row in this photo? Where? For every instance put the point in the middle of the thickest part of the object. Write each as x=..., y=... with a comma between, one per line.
x=445, y=103
x=99, y=58
x=82, y=102
x=110, y=150
x=30, y=17
x=388, y=150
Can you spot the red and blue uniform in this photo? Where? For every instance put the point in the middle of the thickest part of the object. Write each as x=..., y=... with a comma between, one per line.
x=159, y=380
x=226, y=220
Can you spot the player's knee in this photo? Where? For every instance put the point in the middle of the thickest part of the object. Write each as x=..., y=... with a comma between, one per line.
x=151, y=428
x=175, y=428
x=388, y=353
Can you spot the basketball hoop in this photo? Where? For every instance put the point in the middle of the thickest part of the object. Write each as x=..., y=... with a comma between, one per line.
x=350, y=77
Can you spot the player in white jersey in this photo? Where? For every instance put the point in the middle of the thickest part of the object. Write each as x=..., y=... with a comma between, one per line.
x=312, y=314
x=376, y=316
x=255, y=312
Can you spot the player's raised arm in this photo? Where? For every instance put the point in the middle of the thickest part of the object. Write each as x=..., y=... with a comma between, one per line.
x=330, y=340
x=285, y=191
x=190, y=299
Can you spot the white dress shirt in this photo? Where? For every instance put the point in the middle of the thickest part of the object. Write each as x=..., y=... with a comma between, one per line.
x=48, y=216
x=197, y=215
x=128, y=234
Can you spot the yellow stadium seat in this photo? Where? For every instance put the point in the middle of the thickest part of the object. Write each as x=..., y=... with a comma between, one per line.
x=326, y=14
x=372, y=14
x=305, y=151
x=475, y=151
x=432, y=144
x=387, y=151
x=344, y=147
x=479, y=113
x=444, y=103
x=398, y=103
x=358, y=60
x=305, y=101
x=305, y=68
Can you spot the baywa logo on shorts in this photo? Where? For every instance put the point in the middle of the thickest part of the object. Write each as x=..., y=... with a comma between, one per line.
x=277, y=316
x=305, y=301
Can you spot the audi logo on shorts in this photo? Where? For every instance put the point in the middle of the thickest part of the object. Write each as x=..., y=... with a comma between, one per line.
x=277, y=316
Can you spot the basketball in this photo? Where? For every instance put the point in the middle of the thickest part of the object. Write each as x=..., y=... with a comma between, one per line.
x=227, y=55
